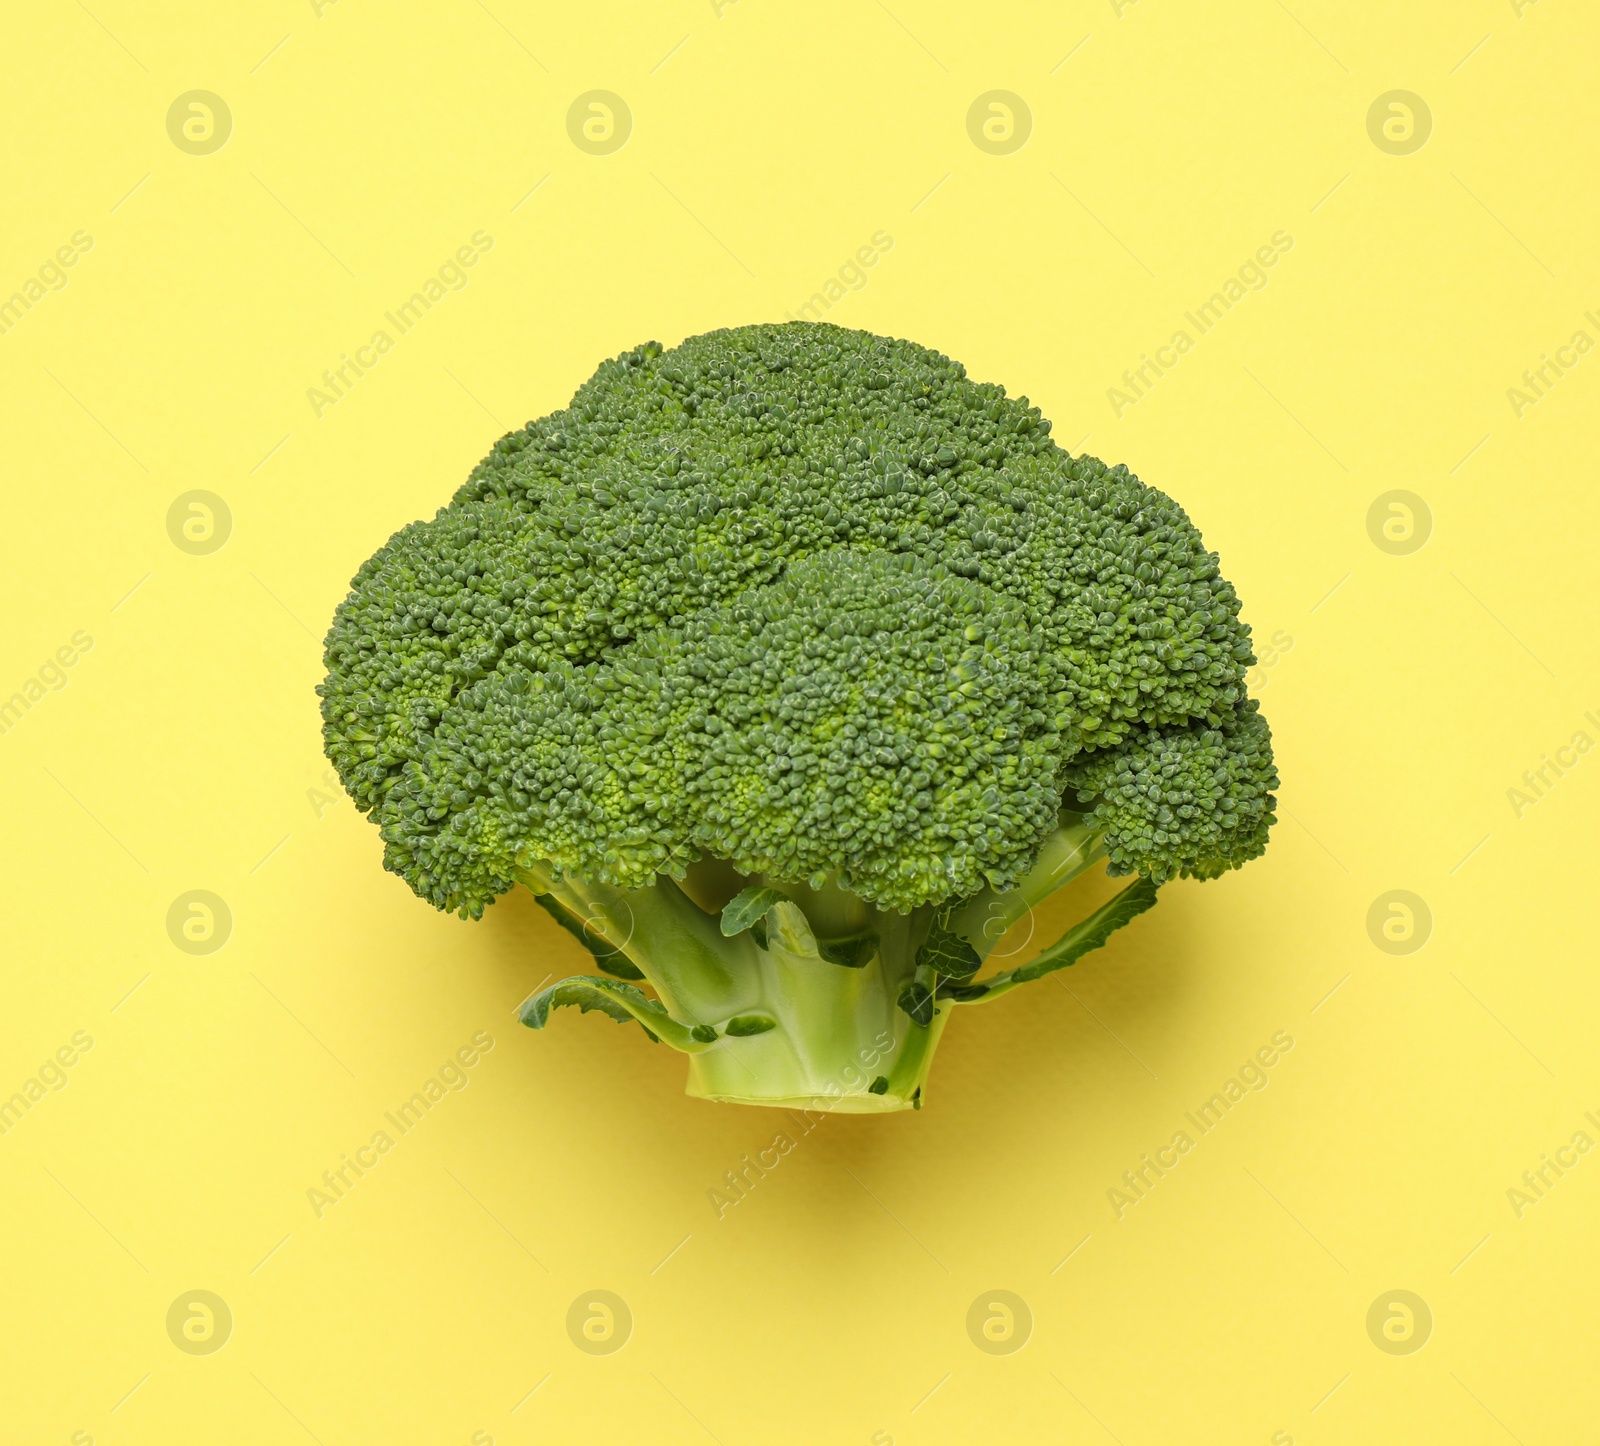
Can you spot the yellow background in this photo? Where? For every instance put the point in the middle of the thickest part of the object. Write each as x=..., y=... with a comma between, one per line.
x=768, y=143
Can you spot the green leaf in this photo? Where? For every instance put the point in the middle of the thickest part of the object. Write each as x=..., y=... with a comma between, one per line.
x=1082, y=938
x=758, y=932
x=851, y=953
x=961, y=993
x=705, y=1033
x=613, y=961
x=621, y=1002
x=879, y=1086
x=947, y=953
x=747, y=907
x=917, y=1001
x=742, y=1025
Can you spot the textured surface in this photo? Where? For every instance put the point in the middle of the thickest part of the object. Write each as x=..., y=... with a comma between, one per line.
x=595, y=656
x=1410, y=693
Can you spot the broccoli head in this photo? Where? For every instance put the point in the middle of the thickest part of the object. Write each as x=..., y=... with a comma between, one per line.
x=789, y=667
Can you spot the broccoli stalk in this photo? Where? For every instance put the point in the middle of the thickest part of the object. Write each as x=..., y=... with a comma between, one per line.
x=809, y=997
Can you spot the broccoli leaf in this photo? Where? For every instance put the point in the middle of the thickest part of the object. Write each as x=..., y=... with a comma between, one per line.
x=947, y=953
x=747, y=907
x=1079, y=940
x=852, y=953
x=613, y=961
x=620, y=1001
x=742, y=1025
x=917, y=1001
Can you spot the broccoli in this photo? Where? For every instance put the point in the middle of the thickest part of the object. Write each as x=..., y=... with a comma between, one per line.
x=788, y=668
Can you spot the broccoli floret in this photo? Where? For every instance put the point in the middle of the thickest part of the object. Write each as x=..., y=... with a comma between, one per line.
x=1191, y=802
x=803, y=611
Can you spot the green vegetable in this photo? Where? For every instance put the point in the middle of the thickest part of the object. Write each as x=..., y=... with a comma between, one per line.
x=791, y=668
x=749, y=907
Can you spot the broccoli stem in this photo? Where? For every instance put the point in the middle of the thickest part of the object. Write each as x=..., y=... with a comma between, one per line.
x=983, y=919
x=824, y=1007
x=701, y=977
x=839, y=1029
x=769, y=1016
